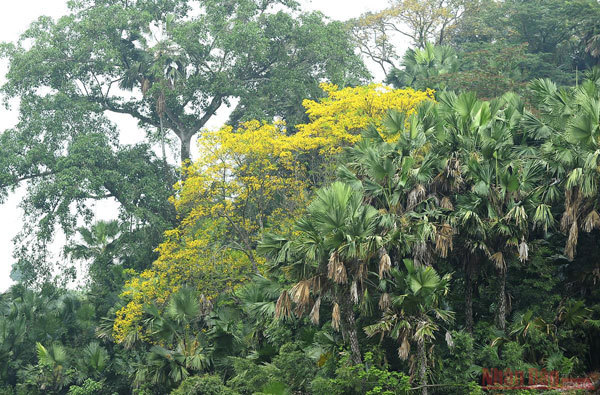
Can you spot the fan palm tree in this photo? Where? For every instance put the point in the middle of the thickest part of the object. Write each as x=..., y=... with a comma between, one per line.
x=99, y=246
x=257, y=300
x=422, y=68
x=93, y=360
x=571, y=119
x=12, y=336
x=414, y=311
x=96, y=241
x=329, y=258
x=182, y=348
x=54, y=359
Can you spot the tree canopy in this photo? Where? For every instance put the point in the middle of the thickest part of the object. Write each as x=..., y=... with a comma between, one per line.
x=435, y=233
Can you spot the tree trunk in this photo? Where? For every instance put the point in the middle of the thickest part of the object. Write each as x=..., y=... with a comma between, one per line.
x=422, y=366
x=186, y=141
x=349, y=325
x=469, y=300
x=501, y=313
x=162, y=141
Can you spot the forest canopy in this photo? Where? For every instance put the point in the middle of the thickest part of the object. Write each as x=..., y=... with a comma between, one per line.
x=434, y=231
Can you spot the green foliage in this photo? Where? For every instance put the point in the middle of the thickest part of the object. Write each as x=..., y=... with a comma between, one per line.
x=180, y=348
x=489, y=209
x=94, y=168
x=367, y=378
x=425, y=68
x=89, y=387
x=457, y=363
x=250, y=377
x=290, y=370
x=512, y=355
x=203, y=385
x=496, y=47
x=554, y=34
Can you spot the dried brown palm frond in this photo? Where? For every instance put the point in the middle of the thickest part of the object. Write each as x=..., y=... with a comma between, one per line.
x=404, y=349
x=336, y=270
x=454, y=172
x=453, y=167
x=145, y=86
x=283, y=308
x=439, y=183
x=335, y=317
x=384, y=301
x=299, y=310
x=444, y=240
x=416, y=196
x=385, y=263
x=354, y=292
x=498, y=259
x=316, y=284
x=300, y=294
x=567, y=217
x=314, y=313
x=421, y=254
x=341, y=276
x=571, y=246
x=446, y=203
x=592, y=221
x=449, y=340
x=523, y=251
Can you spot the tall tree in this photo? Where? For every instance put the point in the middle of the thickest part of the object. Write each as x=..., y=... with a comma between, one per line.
x=69, y=181
x=329, y=259
x=169, y=65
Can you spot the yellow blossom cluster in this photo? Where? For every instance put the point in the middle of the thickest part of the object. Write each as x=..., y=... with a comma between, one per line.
x=339, y=118
x=253, y=178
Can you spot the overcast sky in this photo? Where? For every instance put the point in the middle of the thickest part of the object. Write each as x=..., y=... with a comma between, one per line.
x=16, y=17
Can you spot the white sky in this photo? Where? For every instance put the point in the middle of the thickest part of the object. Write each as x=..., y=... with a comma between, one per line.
x=15, y=17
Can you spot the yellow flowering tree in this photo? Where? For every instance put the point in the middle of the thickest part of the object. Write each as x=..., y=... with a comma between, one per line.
x=253, y=178
x=246, y=180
